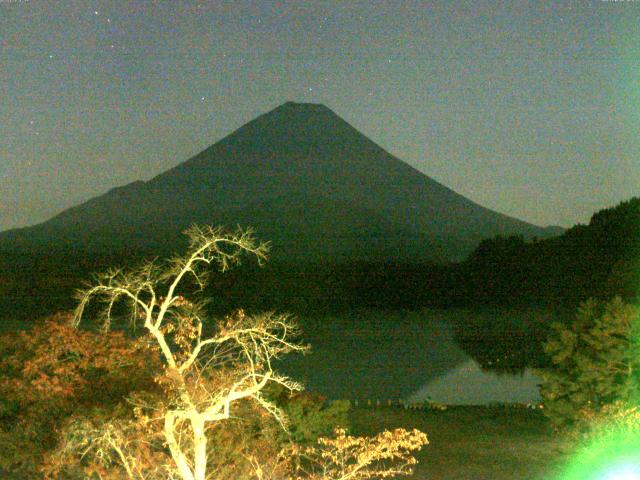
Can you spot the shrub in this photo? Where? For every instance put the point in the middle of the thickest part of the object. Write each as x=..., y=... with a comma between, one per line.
x=344, y=457
x=310, y=416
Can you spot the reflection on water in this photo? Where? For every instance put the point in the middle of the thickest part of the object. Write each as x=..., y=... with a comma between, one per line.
x=396, y=355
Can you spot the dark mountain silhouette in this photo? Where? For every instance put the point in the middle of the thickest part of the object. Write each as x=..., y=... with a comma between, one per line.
x=304, y=179
x=601, y=260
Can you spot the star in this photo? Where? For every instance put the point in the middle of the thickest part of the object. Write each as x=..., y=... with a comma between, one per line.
x=95, y=12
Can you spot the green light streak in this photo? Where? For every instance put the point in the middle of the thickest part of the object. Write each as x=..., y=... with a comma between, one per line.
x=614, y=456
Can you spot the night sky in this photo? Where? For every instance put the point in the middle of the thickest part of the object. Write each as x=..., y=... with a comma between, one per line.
x=531, y=109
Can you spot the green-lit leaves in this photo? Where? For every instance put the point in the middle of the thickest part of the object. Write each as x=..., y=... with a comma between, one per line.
x=595, y=362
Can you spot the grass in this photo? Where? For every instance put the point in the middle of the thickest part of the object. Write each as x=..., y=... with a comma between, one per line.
x=474, y=443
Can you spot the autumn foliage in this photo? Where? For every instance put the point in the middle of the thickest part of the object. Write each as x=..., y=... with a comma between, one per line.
x=342, y=457
x=53, y=371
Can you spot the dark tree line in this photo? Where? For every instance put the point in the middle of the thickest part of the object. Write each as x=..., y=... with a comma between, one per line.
x=599, y=260
x=506, y=276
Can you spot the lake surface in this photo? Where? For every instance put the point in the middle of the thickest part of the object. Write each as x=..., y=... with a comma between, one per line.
x=370, y=354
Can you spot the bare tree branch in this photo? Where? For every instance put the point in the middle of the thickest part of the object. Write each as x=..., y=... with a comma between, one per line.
x=246, y=344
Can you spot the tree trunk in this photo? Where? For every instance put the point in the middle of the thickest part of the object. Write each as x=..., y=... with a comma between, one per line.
x=176, y=452
x=199, y=448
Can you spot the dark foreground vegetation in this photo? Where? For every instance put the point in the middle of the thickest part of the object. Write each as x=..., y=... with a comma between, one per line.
x=588, y=279
x=59, y=385
x=149, y=387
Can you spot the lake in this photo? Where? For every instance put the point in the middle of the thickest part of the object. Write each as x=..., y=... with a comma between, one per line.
x=378, y=355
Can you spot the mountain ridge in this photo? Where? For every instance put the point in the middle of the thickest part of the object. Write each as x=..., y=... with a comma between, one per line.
x=287, y=172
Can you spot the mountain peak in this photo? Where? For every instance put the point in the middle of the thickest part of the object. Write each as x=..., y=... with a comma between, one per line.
x=299, y=108
x=305, y=179
x=294, y=109
x=294, y=126
x=304, y=106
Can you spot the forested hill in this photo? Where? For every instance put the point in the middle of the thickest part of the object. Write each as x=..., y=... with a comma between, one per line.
x=601, y=259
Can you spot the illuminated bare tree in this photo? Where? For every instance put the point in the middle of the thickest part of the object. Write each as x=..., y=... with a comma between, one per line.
x=205, y=373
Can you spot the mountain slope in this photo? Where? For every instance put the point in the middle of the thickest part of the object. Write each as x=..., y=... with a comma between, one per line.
x=305, y=179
